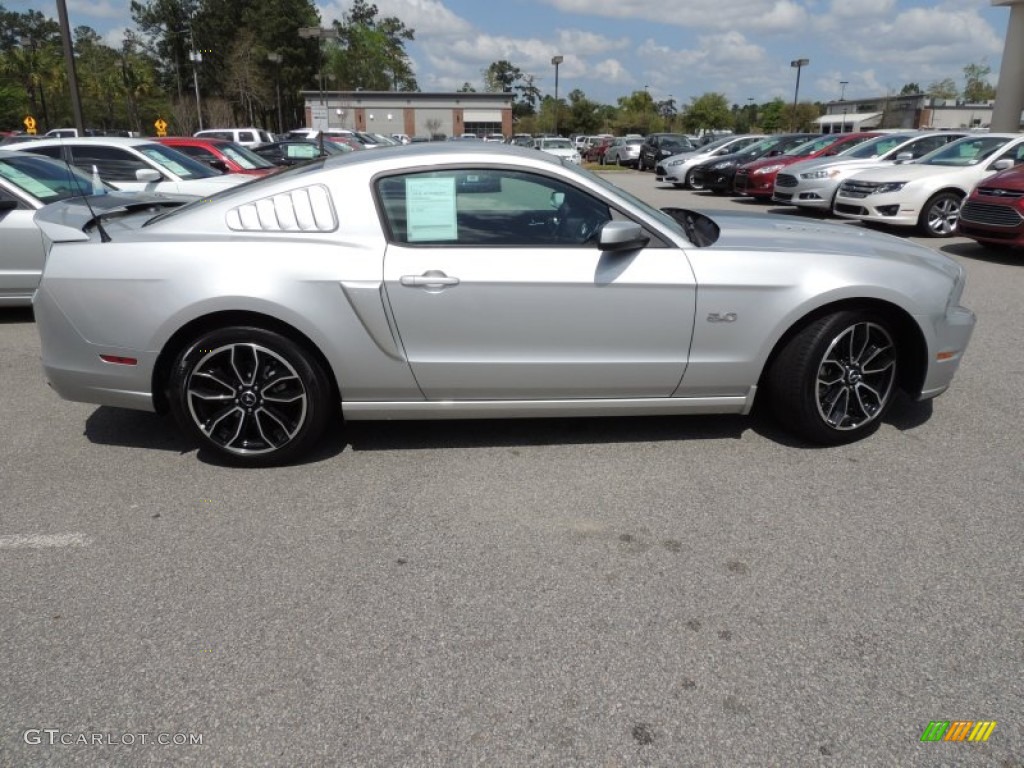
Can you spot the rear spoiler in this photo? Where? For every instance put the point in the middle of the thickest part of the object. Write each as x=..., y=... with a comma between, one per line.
x=66, y=221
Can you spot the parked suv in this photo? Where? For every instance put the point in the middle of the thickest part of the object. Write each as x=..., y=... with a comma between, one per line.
x=658, y=146
x=247, y=137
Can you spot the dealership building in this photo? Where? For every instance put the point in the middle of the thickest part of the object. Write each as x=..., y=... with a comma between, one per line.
x=430, y=115
x=907, y=112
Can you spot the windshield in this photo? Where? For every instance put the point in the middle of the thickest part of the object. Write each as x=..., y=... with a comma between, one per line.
x=878, y=146
x=181, y=165
x=812, y=146
x=48, y=181
x=754, y=151
x=557, y=144
x=244, y=157
x=718, y=143
x=969, y=151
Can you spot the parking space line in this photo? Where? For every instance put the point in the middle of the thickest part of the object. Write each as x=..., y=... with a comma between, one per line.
x=42, y=541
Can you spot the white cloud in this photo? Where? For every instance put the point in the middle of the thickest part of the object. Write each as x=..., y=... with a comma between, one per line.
x=612, y=71
x=114, y=37
x=743, y=15
x=100, y=9
x=427, y=18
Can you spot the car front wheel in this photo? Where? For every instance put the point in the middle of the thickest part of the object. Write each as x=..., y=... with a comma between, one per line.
x=252, y=396
x=939, y=215
x=834, y=380
x=692, y=182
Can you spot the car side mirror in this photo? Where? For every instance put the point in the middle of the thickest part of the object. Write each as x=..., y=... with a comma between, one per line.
x=1003, y=164
x=904, y=157
x=622, y=236
x=148, y=174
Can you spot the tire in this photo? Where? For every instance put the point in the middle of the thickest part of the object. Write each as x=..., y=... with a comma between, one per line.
x=835, y=379
x=939, y=215
x=252, y=396
x=618, y=161
x=691, y=182
x=603, y=158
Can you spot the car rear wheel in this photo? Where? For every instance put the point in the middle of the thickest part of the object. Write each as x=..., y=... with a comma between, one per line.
x=252, y=396
x=834, y=380
x=692, y=182
x=939, y=215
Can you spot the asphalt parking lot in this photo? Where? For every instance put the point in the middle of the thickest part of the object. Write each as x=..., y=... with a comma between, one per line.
x=698, y=591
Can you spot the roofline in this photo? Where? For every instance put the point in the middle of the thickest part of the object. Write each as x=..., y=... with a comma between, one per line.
x=412, y=95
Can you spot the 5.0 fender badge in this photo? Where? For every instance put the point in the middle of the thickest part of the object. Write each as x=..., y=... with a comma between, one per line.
x=718, y=317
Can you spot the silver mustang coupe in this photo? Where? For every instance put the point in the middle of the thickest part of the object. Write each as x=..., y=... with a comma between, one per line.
x=473, y=281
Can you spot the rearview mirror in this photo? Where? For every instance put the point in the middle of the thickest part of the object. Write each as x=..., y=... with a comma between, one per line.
x=148, y=174
x=622, y=236
x=557, y=198
x=219, y=165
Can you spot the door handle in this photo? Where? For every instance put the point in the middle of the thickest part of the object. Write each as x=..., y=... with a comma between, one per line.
x=430, y=279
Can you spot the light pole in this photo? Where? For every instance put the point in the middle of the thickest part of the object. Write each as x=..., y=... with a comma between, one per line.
x=842, y=98
x=556, y=60
x=798, y=64
x=69, y=58
x=197, y=58
x=320, y=33
x=276, y=58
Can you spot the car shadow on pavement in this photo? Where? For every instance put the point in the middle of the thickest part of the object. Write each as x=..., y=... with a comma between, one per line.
x=503, y=433
x=20, y=315
x=978, y=252
x=135, y=429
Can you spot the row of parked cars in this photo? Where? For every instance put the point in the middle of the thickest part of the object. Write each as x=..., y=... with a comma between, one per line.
x=939, y=182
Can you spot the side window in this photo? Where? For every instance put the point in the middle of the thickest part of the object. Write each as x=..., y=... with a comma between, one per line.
x=201, y=154
x=54, y=152
x=477, y=208
x=113, y=164
x=246, y=136
x=926, y=145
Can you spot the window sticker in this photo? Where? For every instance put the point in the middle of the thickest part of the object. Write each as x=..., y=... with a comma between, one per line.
x=430, y=209
x=26, y=182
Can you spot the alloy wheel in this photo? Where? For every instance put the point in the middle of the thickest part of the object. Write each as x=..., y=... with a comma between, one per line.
x=856, y=376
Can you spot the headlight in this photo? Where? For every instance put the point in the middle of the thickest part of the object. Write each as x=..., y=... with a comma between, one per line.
x=892, y=186
x=820, y=174
x=767, y=169
x=674, y=163
x=723, y=165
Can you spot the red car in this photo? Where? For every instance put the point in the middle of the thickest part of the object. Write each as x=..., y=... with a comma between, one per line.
x=993, y=214
x=225, y=156
x=757, y=179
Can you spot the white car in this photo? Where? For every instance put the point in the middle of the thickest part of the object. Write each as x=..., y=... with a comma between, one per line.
x=136, y=165
x=675, y=170
x=247, y=137
x=927, y=193
x=813, y=183
x=563, y=148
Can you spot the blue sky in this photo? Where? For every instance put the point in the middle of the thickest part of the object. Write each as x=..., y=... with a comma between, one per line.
x=678, y=48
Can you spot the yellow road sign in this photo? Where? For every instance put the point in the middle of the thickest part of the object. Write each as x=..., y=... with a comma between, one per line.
x=30, y=124
x=161, y=126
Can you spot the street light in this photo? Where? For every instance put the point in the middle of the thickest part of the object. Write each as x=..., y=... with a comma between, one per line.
x=556, y=60
x=197, y=59
x=842, y=98
x=320, y=33
x=798, y=64
x=276, y=58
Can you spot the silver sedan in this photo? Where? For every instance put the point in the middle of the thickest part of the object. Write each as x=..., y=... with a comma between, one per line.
x=468, y=281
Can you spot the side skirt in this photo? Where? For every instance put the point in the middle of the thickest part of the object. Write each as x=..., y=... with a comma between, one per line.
x=533, y=409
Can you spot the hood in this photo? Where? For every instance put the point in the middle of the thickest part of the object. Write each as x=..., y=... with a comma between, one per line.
x=818, y=163
x=1012, y=179
x=757, y=232
x=764, y=162
x=914, y=171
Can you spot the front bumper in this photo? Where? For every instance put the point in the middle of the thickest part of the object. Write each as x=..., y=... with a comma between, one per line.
x=948, y=342
x=992, y=222
x=890, y=208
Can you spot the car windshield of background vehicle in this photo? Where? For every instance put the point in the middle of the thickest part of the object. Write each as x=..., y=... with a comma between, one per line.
x=966, y=151
x=245, y=157
x=46, y=180
x=181, y=165
x=754, y=151
x=812, y=146
x=557, y=144
x=879, y=146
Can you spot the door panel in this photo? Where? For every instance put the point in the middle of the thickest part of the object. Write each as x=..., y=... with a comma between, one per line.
x=21, y=257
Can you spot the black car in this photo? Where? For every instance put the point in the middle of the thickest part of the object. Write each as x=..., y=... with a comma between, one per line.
x=658, y=146
x=718, y=173
x=297, y=151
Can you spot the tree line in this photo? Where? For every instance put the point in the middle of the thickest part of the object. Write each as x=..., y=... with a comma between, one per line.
x=251, y=52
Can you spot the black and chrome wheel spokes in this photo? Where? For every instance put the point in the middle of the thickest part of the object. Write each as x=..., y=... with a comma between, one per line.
x=856, y=376
x=246, y=398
